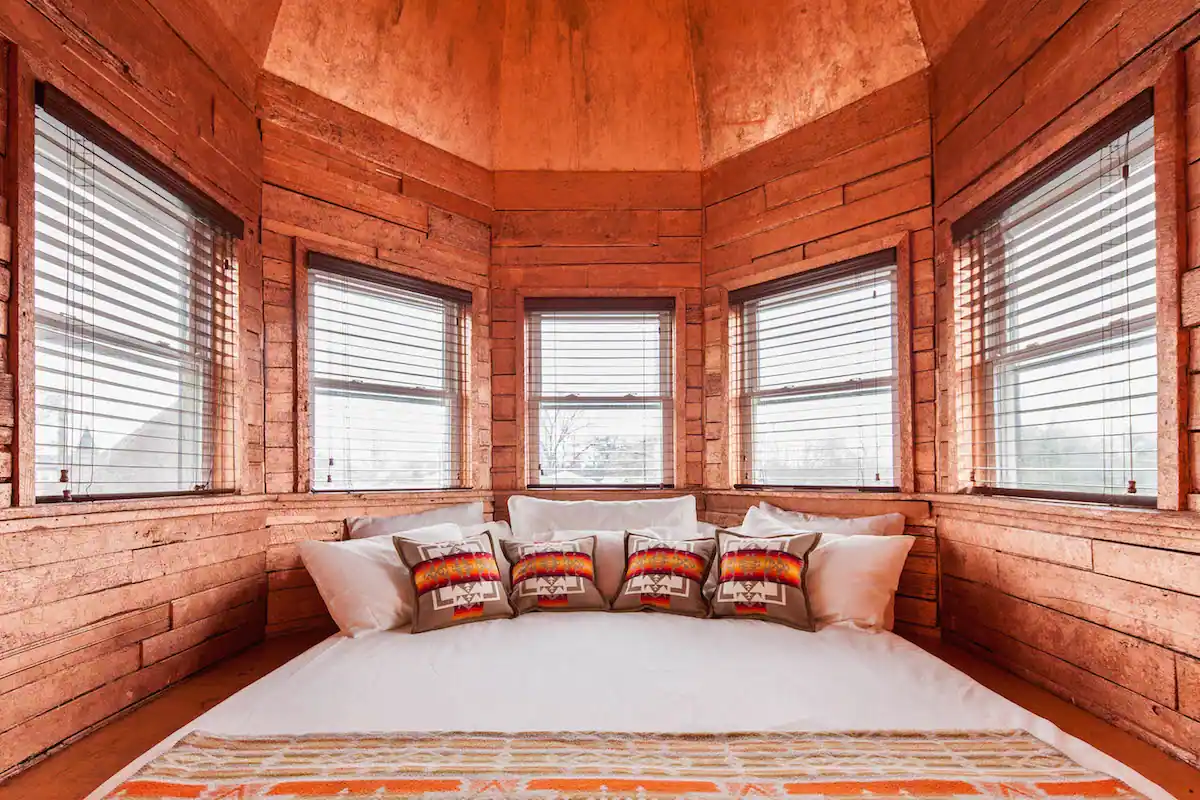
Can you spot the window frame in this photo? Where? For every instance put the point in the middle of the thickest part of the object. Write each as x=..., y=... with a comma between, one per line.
x=29, y=94
x=615, y=299
x=741, y=371
x=1162, y=92
x=465, y=432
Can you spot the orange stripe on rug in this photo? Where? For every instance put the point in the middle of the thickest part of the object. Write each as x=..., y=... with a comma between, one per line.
x=352, y=788
x=620, y=785
x=1108, y=787
x=903, y=788
x=158, y=789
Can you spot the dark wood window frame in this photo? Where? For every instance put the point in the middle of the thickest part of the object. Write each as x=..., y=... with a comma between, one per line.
x=1165, y=84
x=27, y=91
x=612, y=298
x=332, y=256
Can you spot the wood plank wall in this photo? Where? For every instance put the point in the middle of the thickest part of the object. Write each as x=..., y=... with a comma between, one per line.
x=589, y=233
x=855, y=181
x=104, y=604
x=339, y=182
x=1100, y=606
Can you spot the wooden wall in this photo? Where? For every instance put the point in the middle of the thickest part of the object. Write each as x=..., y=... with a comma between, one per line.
x=581, y=233
x=1098, y=605
x=103, y=604
x=101, y=608
x=336, y=181
x=853, y=182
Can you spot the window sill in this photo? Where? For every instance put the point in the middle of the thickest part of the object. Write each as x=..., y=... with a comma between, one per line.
x=1181, y=523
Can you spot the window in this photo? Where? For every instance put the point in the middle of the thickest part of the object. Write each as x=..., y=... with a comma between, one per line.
x=134, y=319
x=1056, y=325
x=599, y=392
x=814, y=361
x=388, y=379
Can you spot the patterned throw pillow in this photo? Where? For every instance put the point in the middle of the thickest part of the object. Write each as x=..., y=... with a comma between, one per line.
x=764, y=578
x=554, y=576
x=665, y=575
x=453, y=582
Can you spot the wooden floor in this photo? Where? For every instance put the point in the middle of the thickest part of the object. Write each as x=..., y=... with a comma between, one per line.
x=80, y=767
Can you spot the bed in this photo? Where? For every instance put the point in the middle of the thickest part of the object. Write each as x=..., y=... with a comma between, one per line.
x=716, y=686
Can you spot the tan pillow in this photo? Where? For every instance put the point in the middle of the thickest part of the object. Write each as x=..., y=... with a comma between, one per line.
x=554, y=576
x=665, y=575
x=764, y=578
x=453, y=582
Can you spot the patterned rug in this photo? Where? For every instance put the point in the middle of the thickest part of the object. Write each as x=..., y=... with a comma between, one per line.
x=579, y=766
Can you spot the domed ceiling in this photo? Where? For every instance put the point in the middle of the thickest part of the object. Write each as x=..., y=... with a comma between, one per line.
x=595, y=84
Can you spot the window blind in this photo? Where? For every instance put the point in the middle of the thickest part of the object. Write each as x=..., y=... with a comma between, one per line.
x=1055, y=309
x=599, y=392
x=388, y=379
x=814, y=365
x=135, y=325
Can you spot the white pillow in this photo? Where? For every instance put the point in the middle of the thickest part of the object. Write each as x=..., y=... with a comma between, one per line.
x=364, y=584
x=851, y=578
x=532, y=516
x=461, y=514
x=881, y=525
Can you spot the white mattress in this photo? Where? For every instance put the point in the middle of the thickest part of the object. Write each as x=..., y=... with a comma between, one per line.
x=624, y=672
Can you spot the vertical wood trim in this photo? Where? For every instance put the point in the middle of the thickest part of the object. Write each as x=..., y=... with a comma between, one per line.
x=945, y=347
x=301, y=370
x=1170, y=170
x=730, y=467
x=905, y=398
x=473, y=372
x=679, y=395
x=20, y=194
x=738, y=371
x=521, y=410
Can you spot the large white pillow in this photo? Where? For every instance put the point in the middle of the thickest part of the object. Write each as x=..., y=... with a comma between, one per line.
x=460, y=514
x=532, y=516
x=851, y=579
x=881, y=525
x=364, y=584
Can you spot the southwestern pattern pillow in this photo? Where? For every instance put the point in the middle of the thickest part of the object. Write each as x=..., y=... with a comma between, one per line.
x=665, y=575
x=764, y=578
x=554, y=576
x=453, y=582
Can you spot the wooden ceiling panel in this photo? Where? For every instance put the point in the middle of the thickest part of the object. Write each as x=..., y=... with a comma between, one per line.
x=251, y=22
x=597, y=85
x=427, y=67
x=940, y=21
x=766, y=67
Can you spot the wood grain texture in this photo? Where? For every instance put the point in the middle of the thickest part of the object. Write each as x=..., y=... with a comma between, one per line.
x=426, y=68
x=578, y=92
x=1056, y=596
x=853, y=183
x=767, y=68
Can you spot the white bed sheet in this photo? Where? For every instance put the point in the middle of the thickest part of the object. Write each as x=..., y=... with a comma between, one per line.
x=624, y=672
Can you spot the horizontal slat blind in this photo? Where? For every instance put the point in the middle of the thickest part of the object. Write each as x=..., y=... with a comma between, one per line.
x=135, y=330
x=599, y=394
x=1055, y=308
x=814, y=361
x=388, y=381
